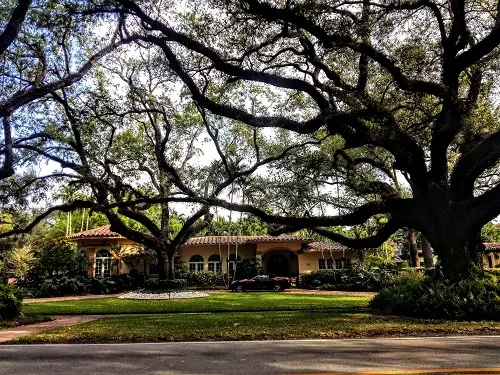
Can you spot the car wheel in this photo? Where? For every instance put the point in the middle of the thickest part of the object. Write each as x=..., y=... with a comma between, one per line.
x=239, y=288
x=277, y=288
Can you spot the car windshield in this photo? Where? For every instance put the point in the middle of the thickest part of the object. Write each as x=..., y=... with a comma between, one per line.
x=261, y=277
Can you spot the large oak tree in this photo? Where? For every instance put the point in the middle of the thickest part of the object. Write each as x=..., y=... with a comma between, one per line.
x=407, y=86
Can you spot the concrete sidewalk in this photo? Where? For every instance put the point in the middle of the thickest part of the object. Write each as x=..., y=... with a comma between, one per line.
x=70, y=298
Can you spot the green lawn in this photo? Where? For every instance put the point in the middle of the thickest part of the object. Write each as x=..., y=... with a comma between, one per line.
x=227, y=302
x=252, y=326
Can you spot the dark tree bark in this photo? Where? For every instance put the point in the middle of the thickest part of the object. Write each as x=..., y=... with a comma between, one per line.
x=412, y=245
x=14, y=25
x=162, y=274
x=427, y=252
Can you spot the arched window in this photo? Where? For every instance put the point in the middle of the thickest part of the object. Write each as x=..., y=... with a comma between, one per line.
x=214, y=263
x=231, y=266
x=102, y=264
x=196, y=263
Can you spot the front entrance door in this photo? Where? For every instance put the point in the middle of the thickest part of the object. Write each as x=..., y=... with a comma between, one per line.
x=278, y=264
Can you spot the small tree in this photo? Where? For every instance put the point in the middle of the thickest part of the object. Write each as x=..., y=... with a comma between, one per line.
x=19, y=261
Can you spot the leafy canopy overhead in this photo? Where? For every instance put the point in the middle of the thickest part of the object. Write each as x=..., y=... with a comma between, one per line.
x=379, y=112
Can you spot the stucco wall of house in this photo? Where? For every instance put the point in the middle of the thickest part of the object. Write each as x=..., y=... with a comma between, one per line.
x=309, y=261
x=186, y=252
x=263, y=247
x=92, y=247
x=492, y=256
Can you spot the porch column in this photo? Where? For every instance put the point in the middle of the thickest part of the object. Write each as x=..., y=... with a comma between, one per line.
x=91, y=260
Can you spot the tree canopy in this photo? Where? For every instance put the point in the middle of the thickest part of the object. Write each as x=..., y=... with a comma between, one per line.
x=357, y=111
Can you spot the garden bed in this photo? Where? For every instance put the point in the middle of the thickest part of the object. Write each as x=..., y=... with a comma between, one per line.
x=163, y=295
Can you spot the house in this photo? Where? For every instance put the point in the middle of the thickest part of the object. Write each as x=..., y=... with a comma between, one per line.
x=491, y=255
x=284, y=255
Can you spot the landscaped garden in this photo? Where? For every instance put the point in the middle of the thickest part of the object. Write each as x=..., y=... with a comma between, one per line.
x=236, y=316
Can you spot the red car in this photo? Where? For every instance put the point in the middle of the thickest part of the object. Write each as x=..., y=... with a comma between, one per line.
x=261, y=282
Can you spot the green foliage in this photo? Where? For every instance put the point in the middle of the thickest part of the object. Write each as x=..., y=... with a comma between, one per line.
x=19, y=261
x=79, y=221
x=61, y=284
x=11, y=301
x=435, y=297
x=351, y=279
x=69, y=283
x=165, y=285
x=250, y=226
x=206, y=279
x=53, y=256
x=247, y=268
x=490, y=233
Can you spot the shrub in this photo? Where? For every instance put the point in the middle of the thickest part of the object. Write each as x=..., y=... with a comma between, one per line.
x=161, y=285
x=201, y=278
x=63, y=284
x=53, y=256
x=351, y=279
x=70, y=283
x=433, y=297
x=247, y=268
x=10, y=301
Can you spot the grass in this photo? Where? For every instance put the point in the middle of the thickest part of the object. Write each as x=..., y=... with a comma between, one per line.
x=252, y=326
x=227, y=302
x=24, y=320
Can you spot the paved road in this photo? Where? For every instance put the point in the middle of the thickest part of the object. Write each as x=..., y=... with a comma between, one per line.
x=257, y=357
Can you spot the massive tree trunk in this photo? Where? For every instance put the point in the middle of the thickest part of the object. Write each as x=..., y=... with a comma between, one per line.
x=457, y=248
x=162, y=275
x=170, y=271
x=412, y=243
x=427, y=252
x=448, y=223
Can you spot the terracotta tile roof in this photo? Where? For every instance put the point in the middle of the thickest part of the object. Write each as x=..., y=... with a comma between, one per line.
x=105, y=232
x=101, y=232
x=241, y=240
x=324, y=246
x=492, y=245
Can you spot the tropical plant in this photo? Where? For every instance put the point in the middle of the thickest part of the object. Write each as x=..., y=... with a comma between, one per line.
x=19, y=261
x=11, y=302
x=437, y=297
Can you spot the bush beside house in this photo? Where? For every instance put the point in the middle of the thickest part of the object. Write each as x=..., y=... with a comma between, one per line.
x=353, y=279
x=10, y=302
x=435, y=297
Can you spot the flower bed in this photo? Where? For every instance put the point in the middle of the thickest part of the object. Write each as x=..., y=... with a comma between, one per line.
x=150, y=295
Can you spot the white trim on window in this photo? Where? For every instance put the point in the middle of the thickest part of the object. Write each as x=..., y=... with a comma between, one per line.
x=102, y=265
x=214, y=263
x=325, y=264
x=341, y=264
x=196, y=263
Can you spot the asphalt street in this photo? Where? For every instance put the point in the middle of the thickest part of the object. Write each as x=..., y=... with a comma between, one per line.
x=463, y=354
